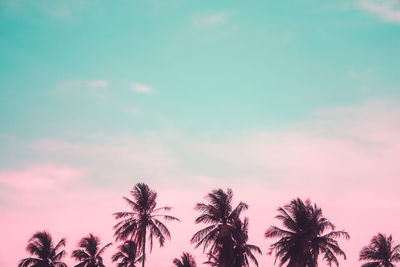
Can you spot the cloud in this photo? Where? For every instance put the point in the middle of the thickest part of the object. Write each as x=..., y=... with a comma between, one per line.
x=98, y=83
x=81, y=84
x=133, y=111
x=388, y=10
x=49, y=146
x=333, y=151
x=340, y=144
x=141, y=88
x=211, y=20
x=344, y=158
x=66, y=11
x=83, y=88
x=39, y=177
x=108, y=157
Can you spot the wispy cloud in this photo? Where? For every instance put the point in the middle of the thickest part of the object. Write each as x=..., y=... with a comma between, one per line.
x=84, y=88
x=133, y=111
x=57, y=10
x=81, y=84
x=98, y=83
x=207, y=21
x=141, y=88
x=148, y=157
x=50, y=145
x=351, y=150
x=388, y=10
x=39, y=177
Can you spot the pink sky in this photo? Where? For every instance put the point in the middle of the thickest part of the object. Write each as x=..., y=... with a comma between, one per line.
x=345, y=160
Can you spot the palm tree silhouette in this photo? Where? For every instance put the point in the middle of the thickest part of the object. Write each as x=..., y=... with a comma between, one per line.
x=222, y=217
x=46, y=254
x=143, y=220
x=243, y=251
x=304, y=237
x=126, y=255
x=186, y=260
x=381, y=252
x=89, y=253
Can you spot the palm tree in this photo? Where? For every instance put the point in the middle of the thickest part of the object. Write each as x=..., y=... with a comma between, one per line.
x=381, y=252
x=126, y=255
x=220, y=214
x=213, y=259
x=46, y=254
x=243, y=251
x=143, y=220
x=304, y=237
x=89, y=253
x=187, y=260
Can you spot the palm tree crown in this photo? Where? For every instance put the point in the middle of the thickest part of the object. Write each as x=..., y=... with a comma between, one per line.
x=126, y=256
x=46, y=254
x=186, y=260
x=304, y=237
x=89, y=253
x=381, y=252
x=222, y=217
x=143, y=219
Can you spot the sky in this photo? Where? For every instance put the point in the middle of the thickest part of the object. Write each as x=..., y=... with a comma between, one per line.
x=274, y=99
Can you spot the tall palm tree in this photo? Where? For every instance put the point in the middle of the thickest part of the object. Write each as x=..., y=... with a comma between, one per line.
x=243, y=251
x=186, y=260
x=46, y=254
x=143, y=220
x=381, y=252
x=221, y=215
x=127, y=254
x=90, y=252
x=305, y=236
x=213, y=259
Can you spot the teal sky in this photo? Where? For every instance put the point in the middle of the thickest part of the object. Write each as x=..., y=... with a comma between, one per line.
x=211, y=66
x=279, y=99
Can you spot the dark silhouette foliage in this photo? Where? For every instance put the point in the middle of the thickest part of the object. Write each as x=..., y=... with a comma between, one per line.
x=226, y=236
x=186, y=260
x=127, y=254
x=304, y=236
x=89, y=253
x=143, y=220
x=44, y=253
x=381, y=252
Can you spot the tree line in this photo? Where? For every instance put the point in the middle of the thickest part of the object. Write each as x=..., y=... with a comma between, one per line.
x=305, y=237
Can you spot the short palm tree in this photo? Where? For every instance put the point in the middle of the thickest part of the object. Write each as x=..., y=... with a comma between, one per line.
x=186, y=260
x=89, y=254
x=242, y=253
x=305, y=236
x=127, y=254
x=381, y=252
x=222, y=216
x=41, y=246
x=143, y=220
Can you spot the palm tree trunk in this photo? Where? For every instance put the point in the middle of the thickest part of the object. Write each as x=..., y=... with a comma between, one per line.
x=295, y=263
x=144, y=248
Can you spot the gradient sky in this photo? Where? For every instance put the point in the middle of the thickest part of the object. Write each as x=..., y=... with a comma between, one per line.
x=274, y=99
